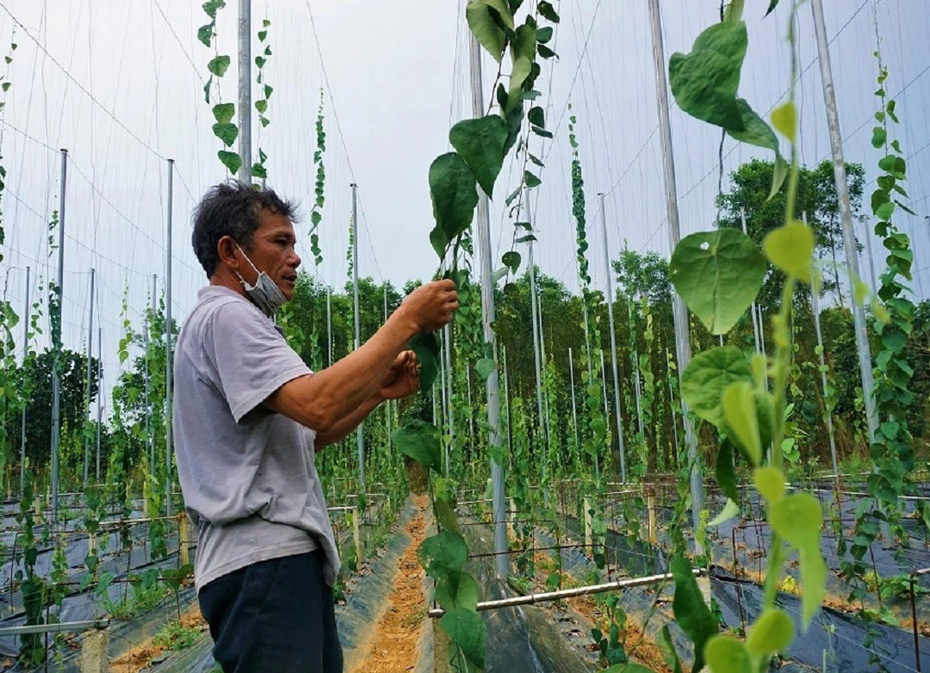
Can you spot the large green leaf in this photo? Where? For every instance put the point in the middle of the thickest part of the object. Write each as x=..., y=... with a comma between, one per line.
x=480, y=143
x=772, y=632
x=224, y=112
x=426, y=347
x=718, y=275
x=457, y=590
x=445, y=515
x=726, y=654
x=726, y=471
x=707, y=377
x=419, y=440
x=629, y=667
x=705, y=81
x=226, y=132
x=813, y=582
x=485, y=28
x=468, y=631
x=791, y=249
x=443, y=554
x=730, y=511
x=219, y=65
x=231, y=160
x=667, y=648
x=798, y=519
x=453, y=191
x=757, y=132
x=691, y=612
x=742, y=424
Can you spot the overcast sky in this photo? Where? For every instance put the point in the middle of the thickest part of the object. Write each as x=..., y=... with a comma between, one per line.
x=119, y=83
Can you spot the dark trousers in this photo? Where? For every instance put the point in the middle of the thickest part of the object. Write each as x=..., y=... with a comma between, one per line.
x=274, y=616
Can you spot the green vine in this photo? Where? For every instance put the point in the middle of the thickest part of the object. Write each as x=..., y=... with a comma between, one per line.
x=892, y=451
x=454, y=178
x=719, y=274
x=316, y=213
x=259, y=170
x=224, y=128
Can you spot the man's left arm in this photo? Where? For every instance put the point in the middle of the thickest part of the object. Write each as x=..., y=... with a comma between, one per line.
x=401, y=379
x=344, y=427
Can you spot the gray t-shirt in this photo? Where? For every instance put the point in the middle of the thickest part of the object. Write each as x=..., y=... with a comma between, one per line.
x=248, y=475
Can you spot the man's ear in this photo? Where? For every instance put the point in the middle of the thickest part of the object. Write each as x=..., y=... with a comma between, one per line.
x=226, y=249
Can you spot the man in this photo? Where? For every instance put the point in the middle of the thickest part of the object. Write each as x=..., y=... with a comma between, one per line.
x=248, y=417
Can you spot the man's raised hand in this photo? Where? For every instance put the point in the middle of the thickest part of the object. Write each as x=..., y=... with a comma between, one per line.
x=431, y=306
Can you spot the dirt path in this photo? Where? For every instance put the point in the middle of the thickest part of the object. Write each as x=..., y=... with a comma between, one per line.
x=393, y=647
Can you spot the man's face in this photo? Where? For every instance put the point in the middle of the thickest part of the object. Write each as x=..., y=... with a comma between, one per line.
x=273, y=252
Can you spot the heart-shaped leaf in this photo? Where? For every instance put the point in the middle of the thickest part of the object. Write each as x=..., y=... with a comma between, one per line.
x=468, y=631
x=453, y=191
x=791, y=249
x=704, y=82
x=231, y=160
x=772, y=632
x=480, y=143
x=419, y=440
x=708, y=376
x=718, y=274
x=739, y=410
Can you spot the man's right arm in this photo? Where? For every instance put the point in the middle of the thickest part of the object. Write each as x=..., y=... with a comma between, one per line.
x=321, y=400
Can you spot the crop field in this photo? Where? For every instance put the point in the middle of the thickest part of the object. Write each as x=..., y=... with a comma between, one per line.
x=679, y=421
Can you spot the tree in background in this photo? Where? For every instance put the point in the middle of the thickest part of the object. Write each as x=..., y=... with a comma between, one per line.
x=38, y=370
x=749, y=191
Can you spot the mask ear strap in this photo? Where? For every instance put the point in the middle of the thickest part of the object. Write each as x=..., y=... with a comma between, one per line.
x=257, y=272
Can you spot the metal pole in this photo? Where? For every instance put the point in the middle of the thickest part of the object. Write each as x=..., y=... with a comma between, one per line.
x=842, y=192
x=868, y=252
x=488, y=316
x=245, y=90
x=752, y=308
x=618, y=412
x=761, y=331
x=604, y=385
x=682, y=335
x=360, y=433
x=446, y=403
x=534, y=315
x=671, y=402
x=148, y=376
x=56, y=373
x=634, y=357
x=99, y=397
x=27, y=313
x=815, y=305
x=169, y=366
x=571, y=374
x=387, y=403
x=507, y=398
x=823, y=379
x=329, y=324
x=450, y=376
x=90, y=352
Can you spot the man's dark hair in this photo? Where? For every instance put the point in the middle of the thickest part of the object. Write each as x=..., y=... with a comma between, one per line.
x=232, y=208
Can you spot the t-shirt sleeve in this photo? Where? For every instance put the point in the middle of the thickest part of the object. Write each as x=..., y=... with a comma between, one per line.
x=249, y=358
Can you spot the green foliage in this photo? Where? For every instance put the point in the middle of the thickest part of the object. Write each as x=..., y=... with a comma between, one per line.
x=892, y=452
x=316, y=212
x=705, y=83
x=816, y=196
x=259, y=168
x=718, y=274
x=175, y=636
x=454, y=196
x=733, y=395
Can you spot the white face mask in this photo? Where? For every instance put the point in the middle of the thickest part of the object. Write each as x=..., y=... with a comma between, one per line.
x=265, y=293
